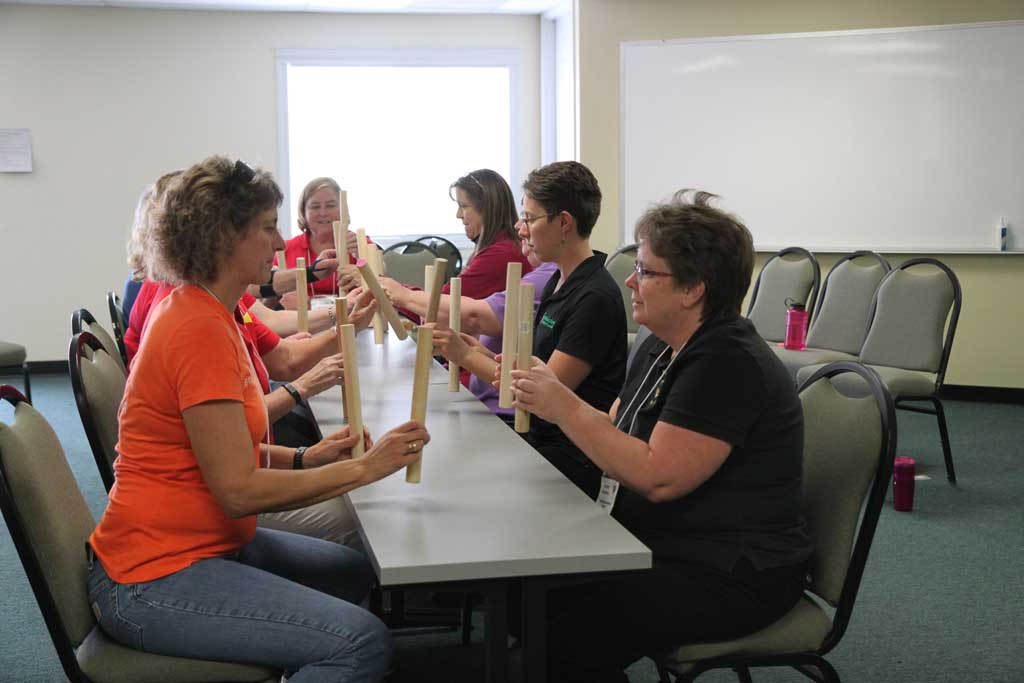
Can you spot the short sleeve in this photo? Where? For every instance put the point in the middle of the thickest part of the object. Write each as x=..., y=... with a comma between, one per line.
x=203, y=362
x=716, y=394
x=497, y=303
x=265, y=338
x=585, y=333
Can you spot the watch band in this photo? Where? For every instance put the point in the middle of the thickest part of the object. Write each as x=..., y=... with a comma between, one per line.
x=297, y=458
x=293, y=392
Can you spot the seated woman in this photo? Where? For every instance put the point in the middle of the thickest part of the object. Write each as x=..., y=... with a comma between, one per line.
x=702, y=454
x=178, y=556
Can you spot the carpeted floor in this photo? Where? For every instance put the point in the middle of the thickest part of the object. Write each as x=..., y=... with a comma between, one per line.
x=942, y=599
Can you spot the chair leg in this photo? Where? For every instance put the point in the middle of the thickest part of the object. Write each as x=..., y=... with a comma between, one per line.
x=743, y=674
x=947, y=453
x=28, y=383
x=828, y=672
x=663, y=676
x=467, y=617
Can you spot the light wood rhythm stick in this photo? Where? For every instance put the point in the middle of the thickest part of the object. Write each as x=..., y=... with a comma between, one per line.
x=440, y=267
x=282, y=262
x=341, y=318
x=428, y=279
x=343, y=208
x=383, y=302
x=455, y=322
x=302, y=304
x=339, y=246
x=525, y=345
x=509, y=332
x=352, y=401
x=420, y=383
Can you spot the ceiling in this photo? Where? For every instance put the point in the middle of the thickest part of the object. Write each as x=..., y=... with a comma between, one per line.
x=545, y=7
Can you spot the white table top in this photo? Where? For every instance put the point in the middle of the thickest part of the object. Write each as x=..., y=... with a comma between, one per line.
x=488, y=505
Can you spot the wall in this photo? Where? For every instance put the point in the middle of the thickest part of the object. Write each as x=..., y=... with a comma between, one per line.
x=986, y=351
x=115, y=97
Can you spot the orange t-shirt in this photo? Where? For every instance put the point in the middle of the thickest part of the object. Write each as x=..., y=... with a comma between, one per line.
x=161, y=517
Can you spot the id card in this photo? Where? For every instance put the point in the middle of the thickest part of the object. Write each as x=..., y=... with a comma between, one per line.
x=609, y=491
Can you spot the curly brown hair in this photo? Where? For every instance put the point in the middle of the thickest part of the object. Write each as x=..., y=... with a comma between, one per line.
x=701, y=244
x=202, y=216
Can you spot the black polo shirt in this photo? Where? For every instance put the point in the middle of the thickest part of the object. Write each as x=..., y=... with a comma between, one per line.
x=725, y=383
x=585, y=319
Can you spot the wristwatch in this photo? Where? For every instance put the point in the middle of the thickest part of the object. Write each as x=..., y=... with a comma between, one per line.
x=293, y=392
x=267, y=291
x=297, y=459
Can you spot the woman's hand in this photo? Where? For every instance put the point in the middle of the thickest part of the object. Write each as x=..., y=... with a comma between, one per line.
x=539, y=392
x=327, y=373
x=395, y=290
x=398, y=448
x=453, y=346
x=362, y=305
x=348, y=277
x=299, y=336
x=334, y=447
x=290, y=301
x=326, y=264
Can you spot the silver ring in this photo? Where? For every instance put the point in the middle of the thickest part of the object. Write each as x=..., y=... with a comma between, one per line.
x=412, y=447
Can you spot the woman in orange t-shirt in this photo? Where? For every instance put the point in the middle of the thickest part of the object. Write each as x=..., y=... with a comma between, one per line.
x=179, y=567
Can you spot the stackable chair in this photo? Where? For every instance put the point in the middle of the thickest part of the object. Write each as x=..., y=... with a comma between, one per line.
x=84, y=321
x=98, y=384
x=916, y=309
x=14, y=357
x=849, y=445
x=621, y=265
x=404, y=262
x=447, y=250
x=842, y=314
x=49, y=523
x=118, y=324
x=791, y=274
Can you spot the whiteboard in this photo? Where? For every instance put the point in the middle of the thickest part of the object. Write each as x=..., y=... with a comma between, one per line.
x=899, y=140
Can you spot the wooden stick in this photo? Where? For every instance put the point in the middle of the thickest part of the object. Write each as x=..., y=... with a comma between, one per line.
x=362, y=248
x=340, y=319
x=302, y=304
x=436, y=284
x=282, y=262
x=525, y=344
x=343, y=206
x=420, y=383
x=383, y=302
x=455, y=323
x=355, y=408
x=428, y=280
x=509, y=332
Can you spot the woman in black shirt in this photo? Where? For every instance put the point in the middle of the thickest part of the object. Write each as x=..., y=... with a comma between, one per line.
x=702, y=454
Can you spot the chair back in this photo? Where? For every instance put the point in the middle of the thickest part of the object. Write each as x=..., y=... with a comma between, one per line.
x=98, y=384
x=620, y=265
x=911, y=309
x=844, y=306
x=790, y=274
x=849, y=445
x=447, y=250
x=117, y=323
x=49, y=523
x=84, y=321
x=404, y=262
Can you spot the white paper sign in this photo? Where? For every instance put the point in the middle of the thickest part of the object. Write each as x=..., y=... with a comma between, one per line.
x=15, y=150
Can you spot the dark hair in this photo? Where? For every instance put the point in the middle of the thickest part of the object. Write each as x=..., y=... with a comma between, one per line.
x=492, y=198
x=202, y=215
x=701, y=244
x=311, y=188
x=567, y=186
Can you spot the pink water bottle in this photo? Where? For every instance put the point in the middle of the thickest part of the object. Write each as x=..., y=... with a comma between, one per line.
x=796, y=326
x=903, y=484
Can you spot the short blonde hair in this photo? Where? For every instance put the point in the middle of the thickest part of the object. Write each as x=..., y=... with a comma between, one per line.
x=140, y=224
x=311, y=188
x=201, y=217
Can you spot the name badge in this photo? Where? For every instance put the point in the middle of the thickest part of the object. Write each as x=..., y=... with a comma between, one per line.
x=609, y=491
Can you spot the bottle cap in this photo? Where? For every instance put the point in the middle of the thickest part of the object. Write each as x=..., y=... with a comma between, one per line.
x=791, y=303
x=904, y=463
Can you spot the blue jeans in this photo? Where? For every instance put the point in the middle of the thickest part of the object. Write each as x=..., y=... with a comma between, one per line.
x=284, y=601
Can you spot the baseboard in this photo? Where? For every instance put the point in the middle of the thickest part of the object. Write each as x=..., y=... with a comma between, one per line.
x=48, y=367
x=965, y=392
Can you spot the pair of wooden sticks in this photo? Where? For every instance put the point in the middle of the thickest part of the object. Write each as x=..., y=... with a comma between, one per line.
x=516, y=338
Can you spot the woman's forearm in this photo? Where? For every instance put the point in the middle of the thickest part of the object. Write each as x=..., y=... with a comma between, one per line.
x=623, y=457
x=279, y=403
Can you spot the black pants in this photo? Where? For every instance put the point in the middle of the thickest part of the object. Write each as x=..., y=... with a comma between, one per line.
x=597, y=630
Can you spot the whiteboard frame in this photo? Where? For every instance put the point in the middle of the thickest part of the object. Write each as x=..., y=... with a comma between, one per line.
x=625, y=232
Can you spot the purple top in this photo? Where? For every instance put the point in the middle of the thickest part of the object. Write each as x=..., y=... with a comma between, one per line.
x=538, y=277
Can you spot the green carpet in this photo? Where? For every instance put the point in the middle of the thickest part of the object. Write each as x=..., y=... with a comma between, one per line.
x=942, y=598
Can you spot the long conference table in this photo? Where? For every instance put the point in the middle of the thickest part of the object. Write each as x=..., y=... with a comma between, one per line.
x=489, y=510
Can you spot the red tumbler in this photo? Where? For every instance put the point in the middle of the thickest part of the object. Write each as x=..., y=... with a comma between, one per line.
x=903, y=484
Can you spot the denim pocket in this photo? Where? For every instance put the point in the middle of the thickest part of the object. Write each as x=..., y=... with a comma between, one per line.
x=109, y=602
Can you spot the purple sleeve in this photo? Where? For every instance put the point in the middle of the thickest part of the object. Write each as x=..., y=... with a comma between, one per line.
x=497, y=303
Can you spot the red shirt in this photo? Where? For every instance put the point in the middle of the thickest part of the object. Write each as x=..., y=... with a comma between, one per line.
x=298, y=247
x=485, y=273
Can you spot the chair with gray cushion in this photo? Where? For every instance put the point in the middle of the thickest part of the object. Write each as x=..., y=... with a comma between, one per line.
x=84, y=321
x=49, y=523
x=447, y=250
x=916, y=309
x=117, y=323
x=621, y=265
x=404, y=262
x=842, y=313
x=791, y=274
x=14, y=356
x=849, y=445
x=98, y=384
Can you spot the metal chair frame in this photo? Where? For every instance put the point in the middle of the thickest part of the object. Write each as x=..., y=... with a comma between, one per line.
x=117, y=322
x=454, y=267
x=75, y=352
x=811, y=298
x=828, y=276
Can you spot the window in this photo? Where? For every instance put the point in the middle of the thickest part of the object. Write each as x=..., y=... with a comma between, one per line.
x=395, y=128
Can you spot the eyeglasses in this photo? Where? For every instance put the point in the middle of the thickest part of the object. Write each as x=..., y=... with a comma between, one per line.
x=642, y=272
x=530, y=220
